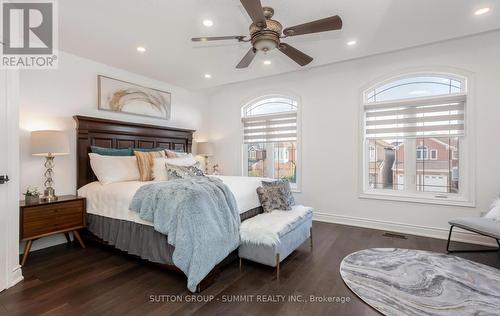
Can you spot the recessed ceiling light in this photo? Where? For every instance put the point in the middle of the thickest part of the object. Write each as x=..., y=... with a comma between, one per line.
x=208, y=76
x=141, y=49
x=208, y=23
x=267, y=62
x=351, y=43
x=482, y=11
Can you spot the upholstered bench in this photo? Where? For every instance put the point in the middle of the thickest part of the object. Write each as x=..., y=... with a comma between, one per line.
x=269, y=238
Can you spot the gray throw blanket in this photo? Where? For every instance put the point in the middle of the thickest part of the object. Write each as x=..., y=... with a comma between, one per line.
x=200, y=217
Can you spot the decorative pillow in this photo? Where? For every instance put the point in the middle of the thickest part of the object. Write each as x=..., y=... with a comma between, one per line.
x=145, y=163
x=175, y=154
x=494, y=212
x=273, y=198
x=285, y=185
x=111, y=151
x=160, y=170
x=109, y=169
x=182, y=172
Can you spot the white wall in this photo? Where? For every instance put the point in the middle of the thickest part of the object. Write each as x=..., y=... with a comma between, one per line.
x=330, y=108
x=50, y=98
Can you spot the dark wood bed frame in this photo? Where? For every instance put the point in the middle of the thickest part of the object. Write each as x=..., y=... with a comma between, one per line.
x=91, y=131
x=106, y=133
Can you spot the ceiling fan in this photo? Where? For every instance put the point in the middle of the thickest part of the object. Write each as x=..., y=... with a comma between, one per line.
x=266, y=33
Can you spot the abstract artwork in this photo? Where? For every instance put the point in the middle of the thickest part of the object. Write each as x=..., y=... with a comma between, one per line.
x=125, y=97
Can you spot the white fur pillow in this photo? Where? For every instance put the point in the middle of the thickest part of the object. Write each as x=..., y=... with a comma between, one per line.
x=109, y=169
x=494, y=212
x=160, y=168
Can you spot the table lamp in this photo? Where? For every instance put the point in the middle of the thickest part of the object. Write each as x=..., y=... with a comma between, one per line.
x=205, y=149
x=49, y=144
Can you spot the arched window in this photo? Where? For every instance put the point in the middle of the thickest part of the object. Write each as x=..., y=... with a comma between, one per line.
x=416, y=124
x=413, y=87
x=270, y=137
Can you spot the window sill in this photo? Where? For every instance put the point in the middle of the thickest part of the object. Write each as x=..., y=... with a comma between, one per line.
x=423, y=199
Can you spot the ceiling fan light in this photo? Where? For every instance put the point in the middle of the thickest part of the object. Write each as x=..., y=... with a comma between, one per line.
x=267, y=62
x=265, y=45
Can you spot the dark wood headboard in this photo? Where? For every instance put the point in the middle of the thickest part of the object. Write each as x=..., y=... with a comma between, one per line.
x=91, y=131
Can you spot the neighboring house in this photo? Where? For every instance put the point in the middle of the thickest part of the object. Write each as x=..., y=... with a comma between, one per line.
x=283, y=164
x=437, y=166
x=380, y=164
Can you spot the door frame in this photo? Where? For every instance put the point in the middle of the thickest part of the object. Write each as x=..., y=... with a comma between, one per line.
x=9, y=233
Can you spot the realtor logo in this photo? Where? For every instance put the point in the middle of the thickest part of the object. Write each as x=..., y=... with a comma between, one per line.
x=29, y=34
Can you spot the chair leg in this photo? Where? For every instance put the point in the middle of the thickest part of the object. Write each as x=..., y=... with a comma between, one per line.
x=472, y=250
x=311, y=237
x=278, y=266
x=449, y=238
x=241, y=263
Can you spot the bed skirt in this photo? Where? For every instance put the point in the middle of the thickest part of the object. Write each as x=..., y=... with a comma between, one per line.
x=139, y=239
x=133, y=238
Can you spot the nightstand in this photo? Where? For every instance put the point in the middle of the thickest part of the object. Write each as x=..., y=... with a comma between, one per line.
x=43, y=219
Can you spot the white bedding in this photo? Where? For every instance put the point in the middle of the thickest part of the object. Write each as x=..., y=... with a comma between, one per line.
x=112, y=200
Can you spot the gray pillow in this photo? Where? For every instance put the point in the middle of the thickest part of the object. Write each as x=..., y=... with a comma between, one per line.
x=273, y=198
x=182, y=172
x=285, y=186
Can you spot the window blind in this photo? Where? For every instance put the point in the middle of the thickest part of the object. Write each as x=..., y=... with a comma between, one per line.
x=270, y=128
x=439, y=116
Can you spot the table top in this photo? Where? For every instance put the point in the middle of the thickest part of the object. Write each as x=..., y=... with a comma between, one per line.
x=60, y=199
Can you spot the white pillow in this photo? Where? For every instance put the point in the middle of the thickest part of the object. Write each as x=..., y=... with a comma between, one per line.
x=160, y=168
x=175, y=154
x=494, y=212
x=109, y=169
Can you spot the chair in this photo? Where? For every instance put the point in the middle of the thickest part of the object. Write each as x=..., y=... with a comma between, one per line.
x=479, y=225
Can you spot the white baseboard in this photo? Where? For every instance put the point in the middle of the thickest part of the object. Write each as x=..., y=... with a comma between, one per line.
x=426, y=231
x=16, y=277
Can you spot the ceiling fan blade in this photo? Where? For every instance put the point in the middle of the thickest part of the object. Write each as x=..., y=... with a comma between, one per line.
x=245, y=62
x=255, y=11
x=295, y=54
x=217, y=38
x=327, y=24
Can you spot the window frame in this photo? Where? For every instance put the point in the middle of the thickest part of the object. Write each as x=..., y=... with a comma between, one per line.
x=298, y=156
x=435, y=151
x=423, y=151
x=466, y=151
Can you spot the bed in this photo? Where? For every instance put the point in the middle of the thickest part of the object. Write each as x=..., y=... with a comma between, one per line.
x=108, y=219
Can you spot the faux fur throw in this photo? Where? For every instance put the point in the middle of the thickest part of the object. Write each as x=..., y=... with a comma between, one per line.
x=200, y=217
x=267, y=228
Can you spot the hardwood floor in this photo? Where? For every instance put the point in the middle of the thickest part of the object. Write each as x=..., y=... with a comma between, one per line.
x=64, y=280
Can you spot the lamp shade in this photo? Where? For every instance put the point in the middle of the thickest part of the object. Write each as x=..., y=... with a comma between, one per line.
x=205, y=149
x=49, y=143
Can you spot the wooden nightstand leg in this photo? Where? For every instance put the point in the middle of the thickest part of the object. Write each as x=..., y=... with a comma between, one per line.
x=67, y=238
x=77, y=236
x=27, y=248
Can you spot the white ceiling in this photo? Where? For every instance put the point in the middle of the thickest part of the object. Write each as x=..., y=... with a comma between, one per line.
x=109, y=32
